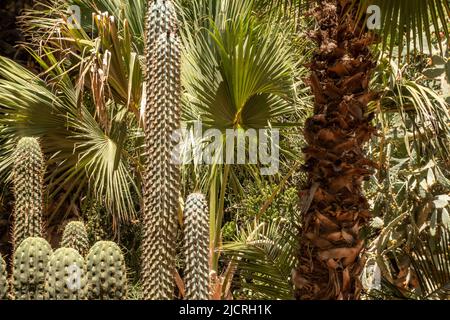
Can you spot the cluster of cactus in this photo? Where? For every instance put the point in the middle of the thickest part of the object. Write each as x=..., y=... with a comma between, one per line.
x=28, y=189
x=196, y=247
x=3, y=279
x=161, y=188
x=106, y=272
x=66, y=277
x=75, y=236
x=30, y=266
x=38, y=272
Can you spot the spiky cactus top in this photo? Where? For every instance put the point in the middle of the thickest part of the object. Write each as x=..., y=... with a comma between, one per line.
x=161, y=175
x=66, y=277
x=28, y=185
x=3, y=279
x=196, y=247
x=107, y=277
x=75, y=236
x=30, y=269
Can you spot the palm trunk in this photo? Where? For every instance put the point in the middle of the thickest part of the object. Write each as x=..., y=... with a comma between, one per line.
x=335, y=208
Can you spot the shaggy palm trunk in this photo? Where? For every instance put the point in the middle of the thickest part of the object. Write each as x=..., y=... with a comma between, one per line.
x=335, y=208
x=161, y=178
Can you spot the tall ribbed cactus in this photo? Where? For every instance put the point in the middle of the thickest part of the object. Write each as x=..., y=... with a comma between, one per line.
x=161, y=176
x=30, y=269
x=66, y=276
x=106, y=272
x=28, y=184
x=3, y=279
x=196, y=247
x=75, y=236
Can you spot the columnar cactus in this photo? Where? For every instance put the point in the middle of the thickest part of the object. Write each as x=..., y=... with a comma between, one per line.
x=30, y=269
x=196, y=247
x=106, y=272
x=3, y=279
x=28, y=184
x=161, y=176
x=66, y=276
x=75, y=236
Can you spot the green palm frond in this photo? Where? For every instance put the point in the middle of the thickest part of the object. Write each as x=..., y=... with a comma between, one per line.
x=414, y=24
x=105, y=52
x=234, y=69
x=131, y=12
x=81, y=156
x=422, y=113
x=265, y=254
x=237, y=74
x=429, y=263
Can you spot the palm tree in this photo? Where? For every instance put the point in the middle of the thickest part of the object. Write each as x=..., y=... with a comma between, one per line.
x=239, y=73
x=334, y=208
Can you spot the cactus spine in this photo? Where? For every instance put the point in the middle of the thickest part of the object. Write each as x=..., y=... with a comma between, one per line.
x=106, y=272
x=28, y=184
x=66, y=276
x=196, y=247
x=161, y=187
x=30, y=269
x=3, y=279
x=75, y=236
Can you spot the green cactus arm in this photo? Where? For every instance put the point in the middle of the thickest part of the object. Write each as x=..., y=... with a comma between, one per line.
x=196, y=247
x=75, y=236
x=161, y=187
x=28, y=173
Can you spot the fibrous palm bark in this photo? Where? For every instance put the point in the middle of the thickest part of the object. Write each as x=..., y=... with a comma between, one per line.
x=335, y=208
x=161, y=179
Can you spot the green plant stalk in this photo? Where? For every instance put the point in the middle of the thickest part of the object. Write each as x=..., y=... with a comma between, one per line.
x=219, y=219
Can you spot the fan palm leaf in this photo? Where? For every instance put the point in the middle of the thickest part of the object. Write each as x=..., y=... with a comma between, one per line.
x=80, y=154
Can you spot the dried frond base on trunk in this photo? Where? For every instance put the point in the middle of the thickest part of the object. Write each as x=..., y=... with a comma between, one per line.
x=329, y=262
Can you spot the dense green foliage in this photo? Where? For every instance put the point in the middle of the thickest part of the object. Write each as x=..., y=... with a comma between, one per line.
x=95, y=107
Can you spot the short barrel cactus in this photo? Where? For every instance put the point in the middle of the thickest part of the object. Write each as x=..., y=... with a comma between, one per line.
x=106, y=272
x=30, y=269
x=66, y=276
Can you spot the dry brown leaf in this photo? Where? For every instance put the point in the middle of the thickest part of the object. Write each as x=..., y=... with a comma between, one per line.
x=326, y=222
